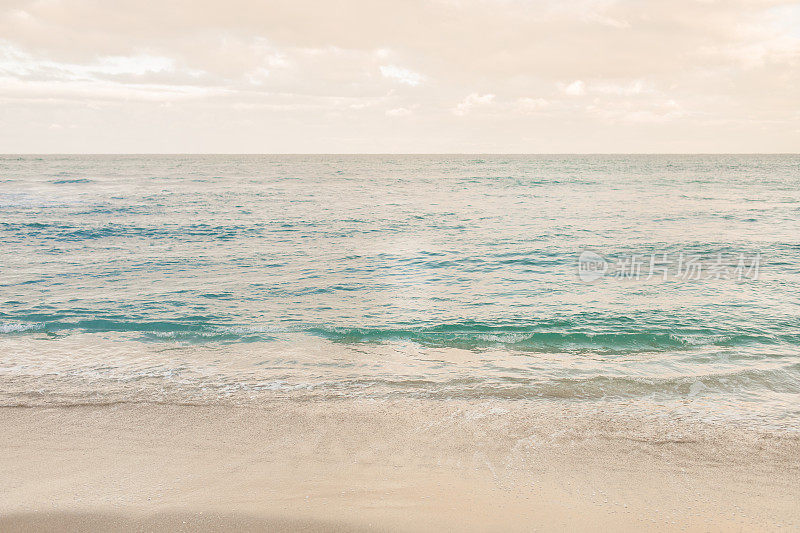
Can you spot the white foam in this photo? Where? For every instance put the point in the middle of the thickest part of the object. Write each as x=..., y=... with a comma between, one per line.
x=15, y=327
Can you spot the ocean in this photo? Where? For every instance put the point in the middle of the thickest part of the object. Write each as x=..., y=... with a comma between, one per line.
x=662, y=285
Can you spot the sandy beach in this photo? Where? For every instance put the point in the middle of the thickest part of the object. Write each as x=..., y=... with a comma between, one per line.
x=404, y=465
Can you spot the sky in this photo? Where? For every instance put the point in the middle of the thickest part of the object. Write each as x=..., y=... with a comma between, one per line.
x=403, y=76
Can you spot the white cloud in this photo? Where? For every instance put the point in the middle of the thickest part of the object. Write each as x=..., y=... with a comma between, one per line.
x=258, y=76
x=631, y=88
x=576, y=88
x=400, y=74
x=658, y=111
x=141, y=76
x=606, y=87
x=138, y=65
x=532, y=104
x=398, y=112
x=17, y=62
x=472, y=101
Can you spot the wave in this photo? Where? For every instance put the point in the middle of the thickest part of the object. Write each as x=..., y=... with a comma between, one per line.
x=74, y=232
x=602, y=335
x=197, y=332
x=19, y=327
x=539, y=338
x=207, y=384
x=783, y=379
x=66, y=181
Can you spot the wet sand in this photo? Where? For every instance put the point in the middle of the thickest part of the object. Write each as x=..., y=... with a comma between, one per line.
x=406, y=465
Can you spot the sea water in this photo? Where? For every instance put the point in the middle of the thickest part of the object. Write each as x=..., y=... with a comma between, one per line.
x=666, y=285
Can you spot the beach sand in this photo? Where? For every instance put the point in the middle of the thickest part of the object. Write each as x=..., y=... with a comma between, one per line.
x=400, y=465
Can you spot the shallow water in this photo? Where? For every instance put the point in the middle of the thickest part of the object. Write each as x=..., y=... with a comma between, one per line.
x=235, y=278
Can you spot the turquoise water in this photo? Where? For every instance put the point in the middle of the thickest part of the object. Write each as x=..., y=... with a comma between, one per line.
x=225, y=277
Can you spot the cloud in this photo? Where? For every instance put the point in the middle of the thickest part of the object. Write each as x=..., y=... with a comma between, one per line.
x=401, y=74
x=576, y=88
x=630, y=112
x=599, y=72
x=15, y=62
x=398, y=112
x=532, y=104
x=472, y=101
x=629, y=88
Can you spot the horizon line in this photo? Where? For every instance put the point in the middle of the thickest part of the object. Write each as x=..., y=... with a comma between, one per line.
x=388, y=153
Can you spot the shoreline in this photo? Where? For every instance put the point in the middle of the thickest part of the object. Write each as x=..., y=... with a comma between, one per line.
x=405, y=465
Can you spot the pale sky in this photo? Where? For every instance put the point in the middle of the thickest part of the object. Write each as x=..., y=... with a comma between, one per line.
x=446, y=76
